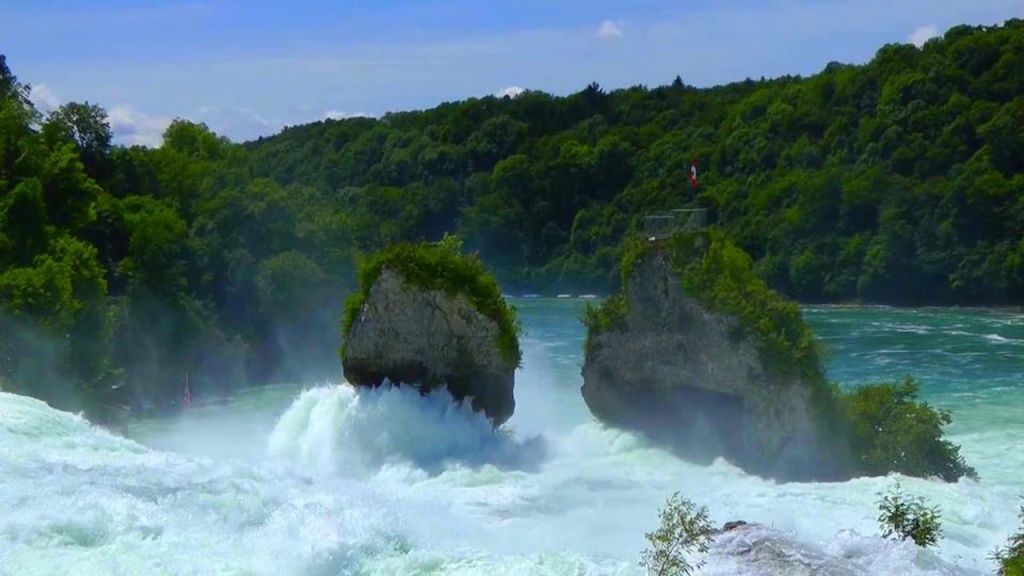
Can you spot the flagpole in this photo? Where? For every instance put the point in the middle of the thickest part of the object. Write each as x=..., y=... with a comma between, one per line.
x=694, y=184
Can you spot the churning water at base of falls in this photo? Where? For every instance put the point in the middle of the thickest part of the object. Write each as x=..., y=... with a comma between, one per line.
x=320, y=480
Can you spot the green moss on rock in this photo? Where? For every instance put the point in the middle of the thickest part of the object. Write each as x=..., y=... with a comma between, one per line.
x=441, y=267
x=720, y=276
x=605, y=317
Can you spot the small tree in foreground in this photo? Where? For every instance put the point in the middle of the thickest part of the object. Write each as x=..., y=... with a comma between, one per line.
x=1011, y=557
x=684, y=529
x=902, y=518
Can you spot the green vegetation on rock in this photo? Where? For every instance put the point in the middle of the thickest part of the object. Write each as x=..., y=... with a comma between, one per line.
x=609, y=315
x=441, y=266
x=892, y=432
x=720, y=276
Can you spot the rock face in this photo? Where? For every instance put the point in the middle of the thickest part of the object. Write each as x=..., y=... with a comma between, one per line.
x=428, y=339
x=733, y=525
x=692, y=379
x=757, y=549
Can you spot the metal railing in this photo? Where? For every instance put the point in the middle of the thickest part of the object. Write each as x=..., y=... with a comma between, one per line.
x=678, y=220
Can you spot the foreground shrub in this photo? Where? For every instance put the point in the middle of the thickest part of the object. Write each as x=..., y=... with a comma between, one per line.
x=904, y=518
x=1011, y=557
x=684, y=529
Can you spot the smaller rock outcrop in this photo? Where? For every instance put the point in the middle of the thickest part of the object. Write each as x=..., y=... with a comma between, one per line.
x=730, y=526
x=430, y=317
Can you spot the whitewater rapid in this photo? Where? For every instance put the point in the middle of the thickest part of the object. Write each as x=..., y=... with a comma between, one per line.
x=380, y=482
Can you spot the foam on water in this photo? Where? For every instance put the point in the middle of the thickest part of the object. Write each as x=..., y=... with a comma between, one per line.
x=334, y=430
x=597, y=491
x=387, y=482
x=76, y=499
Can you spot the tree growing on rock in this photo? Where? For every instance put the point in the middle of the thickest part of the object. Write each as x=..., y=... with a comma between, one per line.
x=893, y=432
x=684, y=530
x=1010, y=558
x=904, y=518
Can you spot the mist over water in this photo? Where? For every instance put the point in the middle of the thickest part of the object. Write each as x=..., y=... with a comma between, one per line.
x=317, y=479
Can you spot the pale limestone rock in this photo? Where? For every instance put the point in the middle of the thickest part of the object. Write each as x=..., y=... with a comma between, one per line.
x=428, y=339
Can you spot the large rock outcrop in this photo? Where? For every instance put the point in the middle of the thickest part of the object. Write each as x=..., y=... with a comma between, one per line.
x=410, y=333
x=697, y=379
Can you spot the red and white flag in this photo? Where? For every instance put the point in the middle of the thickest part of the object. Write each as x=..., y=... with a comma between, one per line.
x=693, y=172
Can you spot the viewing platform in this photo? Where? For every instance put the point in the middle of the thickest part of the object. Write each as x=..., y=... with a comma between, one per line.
x=662, y=226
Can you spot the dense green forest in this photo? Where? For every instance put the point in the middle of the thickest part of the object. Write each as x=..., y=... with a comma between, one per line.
x=122, y=270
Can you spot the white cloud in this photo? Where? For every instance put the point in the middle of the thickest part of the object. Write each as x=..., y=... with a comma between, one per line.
x=237, y=123
x=611, y=29
x=44, y=98
x=129, y=126
x=339, y=115
x=132, y=127
x=511, y=92
x=923, y=34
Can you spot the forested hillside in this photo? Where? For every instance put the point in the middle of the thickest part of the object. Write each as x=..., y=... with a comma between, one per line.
x=900, y=181
x=124, y=271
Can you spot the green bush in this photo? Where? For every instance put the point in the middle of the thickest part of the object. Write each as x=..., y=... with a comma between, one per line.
x=441, y=266
x=903, y=518
x=891, y=432
x=684, y=529
x=608, y=316
x=1011, y=557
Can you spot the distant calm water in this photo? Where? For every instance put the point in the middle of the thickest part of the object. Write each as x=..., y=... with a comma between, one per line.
x=318, y=480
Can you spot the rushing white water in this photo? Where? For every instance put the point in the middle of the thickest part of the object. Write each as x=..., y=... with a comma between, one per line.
x=326, y=481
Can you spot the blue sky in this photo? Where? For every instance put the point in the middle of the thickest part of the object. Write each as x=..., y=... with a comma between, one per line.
x=248, y=68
